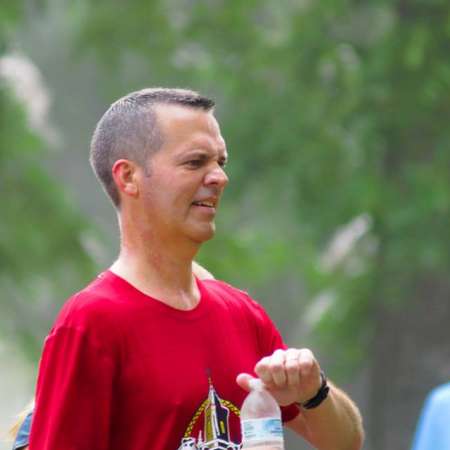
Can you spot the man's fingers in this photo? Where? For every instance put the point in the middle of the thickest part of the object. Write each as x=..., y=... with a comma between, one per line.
x=277, y=368
x=306, y=362
x=292, y=365
x=271, y=370
x=262, y=369
x=294, y=371
x=309, y=374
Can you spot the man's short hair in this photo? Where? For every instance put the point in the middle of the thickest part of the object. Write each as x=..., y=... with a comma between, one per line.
x=129, y=130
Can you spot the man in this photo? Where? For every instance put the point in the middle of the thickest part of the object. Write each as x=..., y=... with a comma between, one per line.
x=146, y=356
x=20, y=430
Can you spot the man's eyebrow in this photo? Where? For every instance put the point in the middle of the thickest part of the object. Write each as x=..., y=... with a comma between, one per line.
x=203, y=152
x=198, y=153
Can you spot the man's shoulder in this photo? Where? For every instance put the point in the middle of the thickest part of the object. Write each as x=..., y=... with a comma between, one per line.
x=97, y=301
x=229, y=295
x=223, y=288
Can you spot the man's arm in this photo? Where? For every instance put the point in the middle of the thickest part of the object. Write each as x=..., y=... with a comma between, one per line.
x=335, y=424
x=293, y=376
x=73, y=393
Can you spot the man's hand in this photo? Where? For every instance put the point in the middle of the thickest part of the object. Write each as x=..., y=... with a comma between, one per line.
x=291, y=375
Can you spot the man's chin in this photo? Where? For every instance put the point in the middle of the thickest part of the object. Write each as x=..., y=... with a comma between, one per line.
x=204, y=233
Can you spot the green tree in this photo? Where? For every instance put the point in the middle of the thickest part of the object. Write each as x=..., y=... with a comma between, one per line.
x=341, y=105
x=335, y=115
x=43, y=238
x=332, y=110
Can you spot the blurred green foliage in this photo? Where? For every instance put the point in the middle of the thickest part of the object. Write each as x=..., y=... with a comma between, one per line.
x=332, y=110
x=43, y=239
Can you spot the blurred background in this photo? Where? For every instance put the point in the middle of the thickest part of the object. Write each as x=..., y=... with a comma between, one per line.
x=337, y=216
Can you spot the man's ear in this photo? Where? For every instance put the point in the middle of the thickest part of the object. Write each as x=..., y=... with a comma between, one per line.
x=124, y=173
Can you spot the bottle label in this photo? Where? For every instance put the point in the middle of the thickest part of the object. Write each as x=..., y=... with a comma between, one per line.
x=266, y=429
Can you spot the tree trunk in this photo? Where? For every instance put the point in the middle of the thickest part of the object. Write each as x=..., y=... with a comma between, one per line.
x=410, y=355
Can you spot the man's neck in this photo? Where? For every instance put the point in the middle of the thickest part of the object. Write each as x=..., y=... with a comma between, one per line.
x=159, y=271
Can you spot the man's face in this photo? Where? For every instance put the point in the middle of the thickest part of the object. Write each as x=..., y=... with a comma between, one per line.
x=186, y=175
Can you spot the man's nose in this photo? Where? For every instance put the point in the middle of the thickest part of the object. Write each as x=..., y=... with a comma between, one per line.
x=216, y=176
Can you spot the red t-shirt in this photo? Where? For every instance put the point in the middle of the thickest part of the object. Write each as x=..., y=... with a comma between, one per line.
x=121, y=370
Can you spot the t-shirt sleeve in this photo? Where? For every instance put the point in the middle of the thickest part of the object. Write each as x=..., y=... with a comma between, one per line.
x=73, y=393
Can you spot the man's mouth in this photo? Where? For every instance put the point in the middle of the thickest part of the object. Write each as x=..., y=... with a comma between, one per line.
x=205, y=203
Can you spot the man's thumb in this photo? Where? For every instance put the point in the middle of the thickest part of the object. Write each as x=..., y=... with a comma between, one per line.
x=243, y=380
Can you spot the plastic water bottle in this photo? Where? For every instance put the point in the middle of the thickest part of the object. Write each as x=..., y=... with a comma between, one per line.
x=261, y=420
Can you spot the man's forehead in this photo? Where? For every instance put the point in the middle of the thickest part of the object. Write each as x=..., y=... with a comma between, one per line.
x=168, y=112
x=200, y=142
x=184, y=121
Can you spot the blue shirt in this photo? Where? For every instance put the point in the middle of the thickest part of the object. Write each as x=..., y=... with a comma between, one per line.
x=433, y=428
x=23, y=435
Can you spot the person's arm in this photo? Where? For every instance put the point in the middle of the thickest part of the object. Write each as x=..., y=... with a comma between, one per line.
x=73, y=394
x=293, y=376
x=21, y=430
x=432, y=431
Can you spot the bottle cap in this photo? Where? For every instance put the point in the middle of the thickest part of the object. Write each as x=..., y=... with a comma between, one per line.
x=256, y=384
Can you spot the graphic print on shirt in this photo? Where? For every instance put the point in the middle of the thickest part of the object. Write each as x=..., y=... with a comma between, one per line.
x=209, y=428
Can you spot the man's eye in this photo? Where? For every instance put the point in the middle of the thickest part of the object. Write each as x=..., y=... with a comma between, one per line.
x=223, y=164
x=194, y=163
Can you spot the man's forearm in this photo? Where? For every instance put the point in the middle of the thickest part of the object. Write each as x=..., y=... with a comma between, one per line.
x=335, y=424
